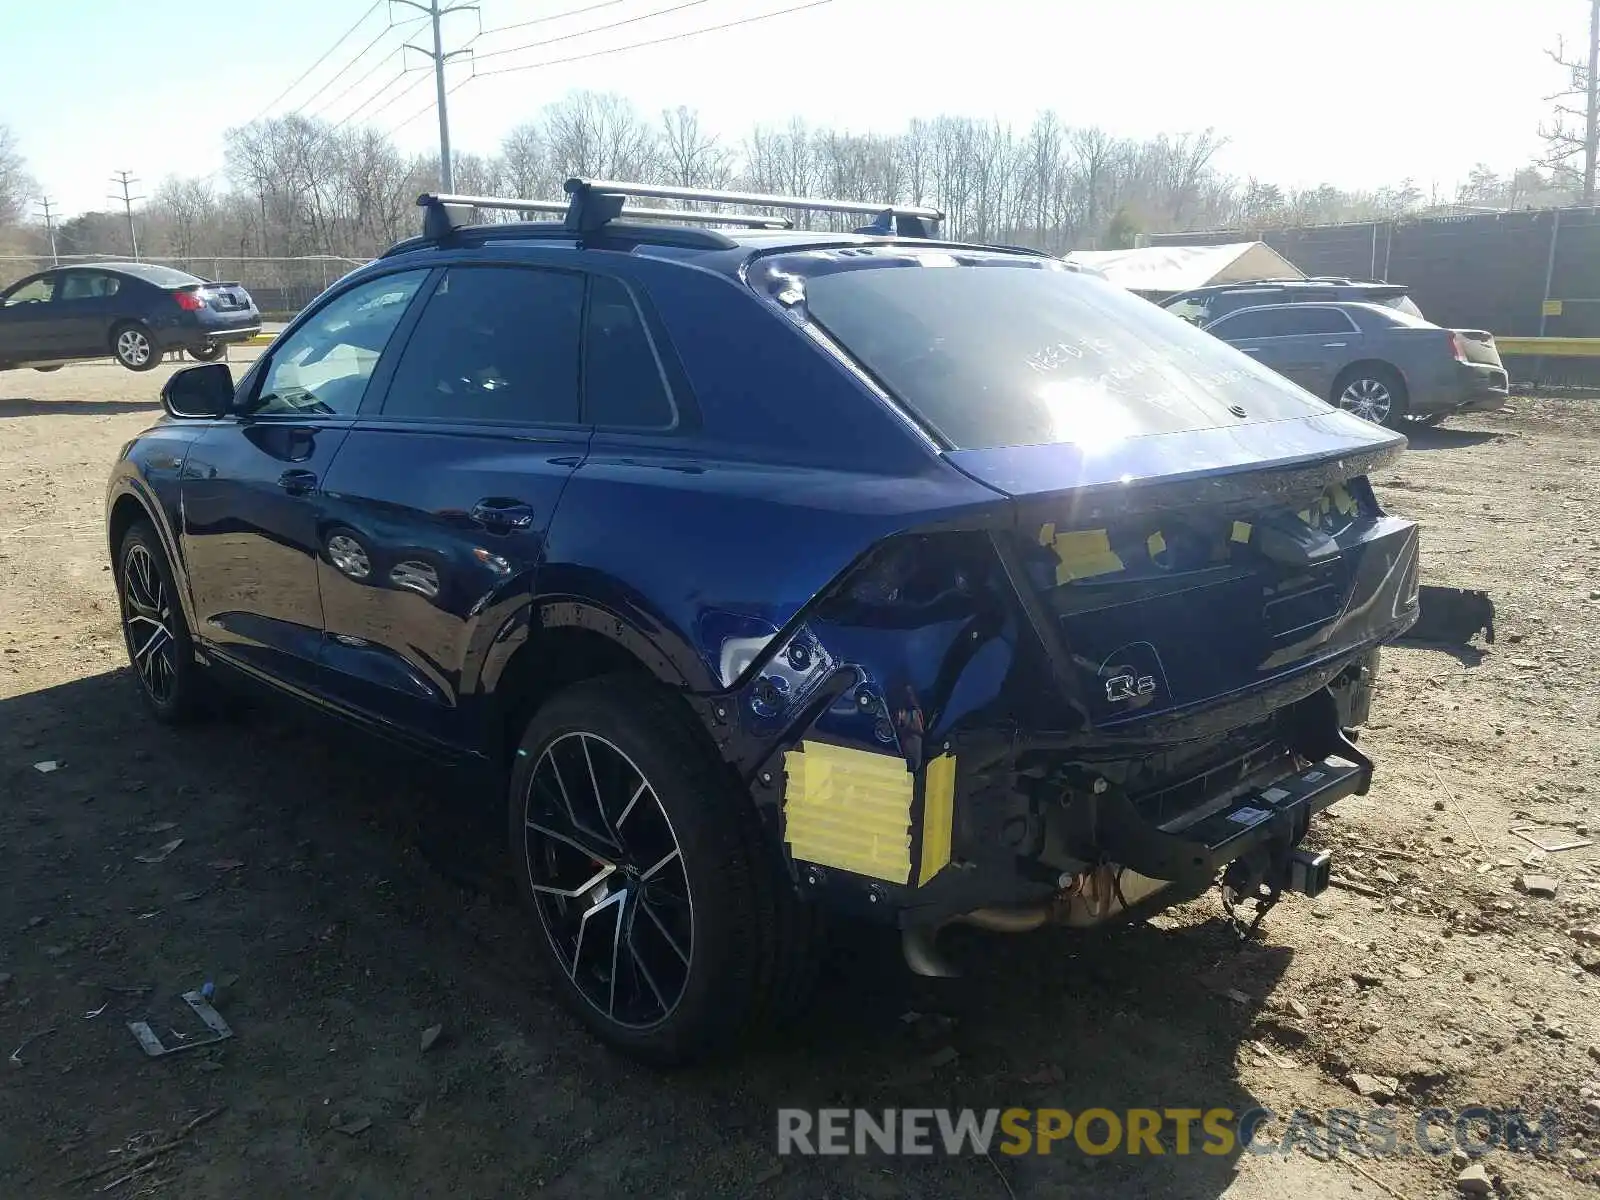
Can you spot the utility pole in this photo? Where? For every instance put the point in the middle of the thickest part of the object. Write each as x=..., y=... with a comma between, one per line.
x=435, y=11
x=50, y=226
x=125, y=180
x=1591, y=139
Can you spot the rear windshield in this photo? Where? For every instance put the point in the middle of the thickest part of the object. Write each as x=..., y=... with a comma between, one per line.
x=166, y=277
x=1402, y=304
x=1005, y=350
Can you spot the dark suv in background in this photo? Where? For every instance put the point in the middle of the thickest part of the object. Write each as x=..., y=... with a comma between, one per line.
x=1205, y=305
x=770, y=572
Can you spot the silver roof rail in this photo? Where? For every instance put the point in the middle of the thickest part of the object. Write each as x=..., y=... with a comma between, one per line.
x=443, y=214
x=596, y=201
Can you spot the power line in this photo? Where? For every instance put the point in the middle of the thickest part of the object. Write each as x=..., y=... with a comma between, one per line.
x=328, y=106
x=395, y=99
x=426, y=108
x=325, y=106
x=567, y=37
x=376, y=4
x=676, y=37
x=571, y=12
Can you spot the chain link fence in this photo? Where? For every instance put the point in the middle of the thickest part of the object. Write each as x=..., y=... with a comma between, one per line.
x=280, y=287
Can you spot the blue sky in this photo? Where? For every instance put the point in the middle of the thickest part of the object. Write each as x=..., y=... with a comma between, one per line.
x=1361, y=93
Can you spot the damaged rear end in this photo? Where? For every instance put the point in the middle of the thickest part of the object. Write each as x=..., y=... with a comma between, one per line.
x=1136, y=670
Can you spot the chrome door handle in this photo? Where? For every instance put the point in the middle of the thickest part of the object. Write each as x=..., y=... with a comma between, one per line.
x=1333, y=345
x=502, y=516
x=297, y=483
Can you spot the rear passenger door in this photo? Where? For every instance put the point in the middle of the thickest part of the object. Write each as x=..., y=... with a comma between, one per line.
x=436, y=508
x=1307, y=343
x=86, y=305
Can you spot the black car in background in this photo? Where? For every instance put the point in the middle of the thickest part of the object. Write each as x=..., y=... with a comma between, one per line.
x=1204, y=305
x=1381, y=364
x=134, y=312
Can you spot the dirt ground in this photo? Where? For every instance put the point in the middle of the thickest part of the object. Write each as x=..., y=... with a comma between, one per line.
x=319, y=885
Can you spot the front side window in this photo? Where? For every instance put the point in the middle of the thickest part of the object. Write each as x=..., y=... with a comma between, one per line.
x=493, y=344
x=35, y=291
x=323, y=367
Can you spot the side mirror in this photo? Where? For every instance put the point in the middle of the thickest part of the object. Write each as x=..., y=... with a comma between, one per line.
x=199, y=393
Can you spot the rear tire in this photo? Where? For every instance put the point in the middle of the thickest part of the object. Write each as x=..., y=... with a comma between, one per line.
x=1373, y=392
x=45, y=370
x=134, y=348
x=160, y=649
x=206, y=353
x=679, y=933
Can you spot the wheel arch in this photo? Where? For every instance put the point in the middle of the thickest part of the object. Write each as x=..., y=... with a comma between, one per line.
x=565, y=642
x=129, y=506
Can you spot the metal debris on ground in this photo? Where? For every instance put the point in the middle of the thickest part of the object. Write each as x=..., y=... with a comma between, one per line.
x=202, y=1007
x=161, y=853
x=48, y=765
x=16, y=1055
x=1551, y=841
x=1543, y=886
x=1451, y=616
x=431, y=1035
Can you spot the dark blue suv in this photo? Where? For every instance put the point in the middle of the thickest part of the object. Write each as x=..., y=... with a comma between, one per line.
x=773, y=573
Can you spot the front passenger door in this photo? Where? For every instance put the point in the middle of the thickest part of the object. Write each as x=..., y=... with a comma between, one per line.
x=251, y=482
x=28, y=330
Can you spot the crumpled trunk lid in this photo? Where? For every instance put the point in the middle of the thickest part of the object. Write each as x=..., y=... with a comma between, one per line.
x=1204, y=577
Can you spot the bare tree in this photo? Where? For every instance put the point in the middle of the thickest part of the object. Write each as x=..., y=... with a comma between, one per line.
x=599, y=135
x=15, y=184
x=1571, y=149
x=298, y=186
x=690, y=156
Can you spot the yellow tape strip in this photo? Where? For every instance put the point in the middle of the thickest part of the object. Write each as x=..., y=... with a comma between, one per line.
x=1080, y=553
x=849, y=809
x=938, y=815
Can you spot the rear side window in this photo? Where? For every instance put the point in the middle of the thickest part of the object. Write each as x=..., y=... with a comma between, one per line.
x=624, y=384
x=494, y=344
x=1285, y=320
x=993, y=350
x=88, y=285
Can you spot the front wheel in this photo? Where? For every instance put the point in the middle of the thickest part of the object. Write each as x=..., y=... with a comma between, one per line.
x=662, y=912
x=133, y=348
x=1374, y=393
x=160, y=649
